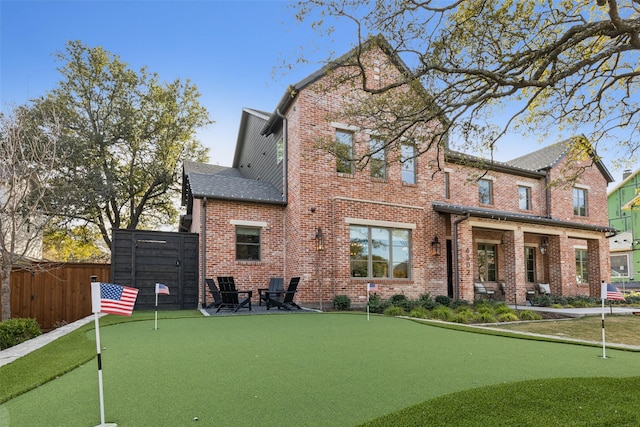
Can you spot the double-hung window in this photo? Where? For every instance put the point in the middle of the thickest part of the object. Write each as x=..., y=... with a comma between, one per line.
x=378, y=160
x=344, y=152
x=485, y=191
x=524, y=198
x=579, y=201
x=408, y=161
x=247, y=243
x=378, y=252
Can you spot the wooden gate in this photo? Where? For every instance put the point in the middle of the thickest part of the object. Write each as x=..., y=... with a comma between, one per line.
x=54, y=293
x=143, y=258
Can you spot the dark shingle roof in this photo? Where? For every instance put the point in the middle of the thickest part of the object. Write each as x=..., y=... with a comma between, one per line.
x=541, y=159
x=218, y=182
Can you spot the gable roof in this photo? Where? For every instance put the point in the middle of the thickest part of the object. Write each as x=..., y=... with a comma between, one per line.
x=292, y=91
x=547, y=157
x=223, y=183
x=624, y=182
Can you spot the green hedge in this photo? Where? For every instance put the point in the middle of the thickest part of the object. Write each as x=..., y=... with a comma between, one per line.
x=15, y=331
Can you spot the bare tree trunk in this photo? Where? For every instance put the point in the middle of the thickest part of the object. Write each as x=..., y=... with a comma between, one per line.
x=5, y=285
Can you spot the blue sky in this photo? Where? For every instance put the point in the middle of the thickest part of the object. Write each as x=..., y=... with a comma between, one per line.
x=232, y=50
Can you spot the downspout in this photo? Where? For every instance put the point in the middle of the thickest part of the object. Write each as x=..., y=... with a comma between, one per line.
x=456, y=278
x=547, y=194
x=285, y=184
x=203, y=252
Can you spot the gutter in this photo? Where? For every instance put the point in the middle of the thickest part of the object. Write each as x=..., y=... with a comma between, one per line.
x=285, y=155
x=203, y=236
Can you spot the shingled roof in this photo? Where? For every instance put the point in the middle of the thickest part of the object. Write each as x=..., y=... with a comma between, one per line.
x=224, y=183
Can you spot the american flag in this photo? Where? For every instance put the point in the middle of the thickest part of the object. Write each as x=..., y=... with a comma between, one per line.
x=162, y=289
x=613, y=293
x=116, y=299
x=372, y=287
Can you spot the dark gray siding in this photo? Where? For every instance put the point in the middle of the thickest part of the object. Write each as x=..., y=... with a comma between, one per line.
x=258, y=158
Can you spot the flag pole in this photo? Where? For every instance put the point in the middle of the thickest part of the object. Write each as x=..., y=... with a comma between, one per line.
x=367, y=301
x=95, y=302
x=603, y=295
x=156, y=321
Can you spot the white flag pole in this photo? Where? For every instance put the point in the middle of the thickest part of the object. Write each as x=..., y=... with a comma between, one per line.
x=367, y=301
x=95, y=306
x=603, y=296
x=156, y=322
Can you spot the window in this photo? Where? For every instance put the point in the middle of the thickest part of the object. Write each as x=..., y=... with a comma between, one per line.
x=530, y=264
x=580, y=202
x=344, y=152
x=378, y=161
x=524, y=198
x=247, y=244
x=280, y=150
x=485, y=191
x=408, y=164
x=379, y=252
x=447, y=193
x=582, y=266
x=486, y=262
x=620, y=265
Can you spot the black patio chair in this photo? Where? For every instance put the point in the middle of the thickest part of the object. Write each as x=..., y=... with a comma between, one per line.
x=230, y=295
x=276, y=285
x=215, y=293
x=284, y=299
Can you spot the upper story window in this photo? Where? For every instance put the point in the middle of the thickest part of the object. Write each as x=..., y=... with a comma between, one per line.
x=579, y=202
x=280, y=150
x=379, y=252
x=378, y=160
x=485, y=191
x=408, y=161
x=344, y=152
x=247, y=243
x=447, y=190
x=524, y=198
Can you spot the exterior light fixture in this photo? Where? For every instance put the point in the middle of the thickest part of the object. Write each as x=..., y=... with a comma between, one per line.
x=435, y=247
x=319, y=240
x=544, y=244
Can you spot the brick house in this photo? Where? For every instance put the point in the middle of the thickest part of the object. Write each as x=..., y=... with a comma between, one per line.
x=287, y=207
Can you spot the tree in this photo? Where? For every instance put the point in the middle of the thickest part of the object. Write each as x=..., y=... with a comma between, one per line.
x=539, y=67
x=77, y=244
x=29, y=156
x=128, y=134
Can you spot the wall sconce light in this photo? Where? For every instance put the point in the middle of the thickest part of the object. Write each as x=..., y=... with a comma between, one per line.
x=435, y=247
x=319, y=240
x=544, y=244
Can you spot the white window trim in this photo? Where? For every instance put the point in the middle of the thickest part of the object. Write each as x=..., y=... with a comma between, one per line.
x=375, y=223
x=261, y=224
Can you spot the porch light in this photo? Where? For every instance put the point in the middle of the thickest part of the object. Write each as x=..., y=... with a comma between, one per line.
x=435, y=247
x=319, y=240
x=544, y=243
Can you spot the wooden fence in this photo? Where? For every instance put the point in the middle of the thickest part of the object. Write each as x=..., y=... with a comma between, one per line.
x=54, y=294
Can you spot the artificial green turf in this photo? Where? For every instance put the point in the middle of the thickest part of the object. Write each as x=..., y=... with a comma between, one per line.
x=302, y=369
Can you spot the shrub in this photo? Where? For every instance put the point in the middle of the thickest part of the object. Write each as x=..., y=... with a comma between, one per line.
x=442, y=313
x=458, y=303
x=486, y=317
x=341, y=302
x=464, y=316
x=400, y=300
x=501, y=308
x=508, y=317
x=395, y=311
x=425, y=301
x=443, y=300
x=484, y=309
x=15, y=331
x=419, y=312
x=529, y=315
x=542, y=300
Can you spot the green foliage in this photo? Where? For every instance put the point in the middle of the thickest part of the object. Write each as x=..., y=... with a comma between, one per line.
x=529, y=315
x=508, y=317
x=486, y=317
x=394, y=311
x=442, y=313
x=76, y=244
x=128, y=135
x=542, y=300
x=17, y=330
x=341, y=302
x=419, y=312
x=464, y=316
x=426, y=301
x=502, y=308
x=458, y=303
x=443, y=300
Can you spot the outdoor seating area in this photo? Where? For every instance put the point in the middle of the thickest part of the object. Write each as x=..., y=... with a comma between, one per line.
x=481, y=291
x=228, y=299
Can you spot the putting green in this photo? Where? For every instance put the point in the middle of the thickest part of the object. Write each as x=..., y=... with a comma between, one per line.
x=279, y=370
